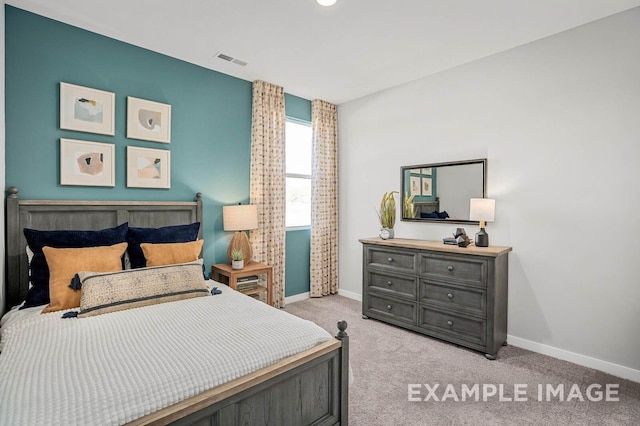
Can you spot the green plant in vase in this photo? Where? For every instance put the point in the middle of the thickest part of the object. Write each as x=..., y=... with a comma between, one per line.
x=237, y=259
x=387, y=214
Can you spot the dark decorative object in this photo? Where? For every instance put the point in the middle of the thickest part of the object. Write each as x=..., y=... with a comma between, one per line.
x=461, y=237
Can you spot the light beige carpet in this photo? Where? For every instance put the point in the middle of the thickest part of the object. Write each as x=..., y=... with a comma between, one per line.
x=386, y=359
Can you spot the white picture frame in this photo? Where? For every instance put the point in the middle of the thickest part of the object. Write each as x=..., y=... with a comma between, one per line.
x=84, y=109
x=148, y=168
x=148, y=120
x=85, y=163
x=414, y=185
x=427, y=187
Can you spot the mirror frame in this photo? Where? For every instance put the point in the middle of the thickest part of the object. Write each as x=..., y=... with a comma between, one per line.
x=482, y=161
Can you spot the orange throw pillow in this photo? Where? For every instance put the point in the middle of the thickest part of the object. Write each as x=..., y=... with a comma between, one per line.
x=65, y=263
x=171, y=253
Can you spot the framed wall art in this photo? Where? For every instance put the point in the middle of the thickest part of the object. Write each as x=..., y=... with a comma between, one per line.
x=427, y=188
x=148, y=120
x=87, y=110
x=87, y=163
x=414, y=185
x=148, y=168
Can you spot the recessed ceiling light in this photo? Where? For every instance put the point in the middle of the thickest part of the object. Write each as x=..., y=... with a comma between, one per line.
x=326, y=2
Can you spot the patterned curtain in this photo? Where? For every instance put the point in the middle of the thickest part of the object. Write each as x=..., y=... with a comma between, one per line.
x=324, y=199
x=268, y=181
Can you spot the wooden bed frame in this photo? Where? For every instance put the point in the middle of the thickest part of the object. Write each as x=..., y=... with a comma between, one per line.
x=309, y=388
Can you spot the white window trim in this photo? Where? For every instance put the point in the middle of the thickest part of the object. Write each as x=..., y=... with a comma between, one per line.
x=297, y=175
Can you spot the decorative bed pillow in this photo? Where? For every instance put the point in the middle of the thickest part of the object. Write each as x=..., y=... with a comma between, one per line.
x=110, y=292
x=167, y=234
x=171, y=253
x=65, y=263
x=38, y=294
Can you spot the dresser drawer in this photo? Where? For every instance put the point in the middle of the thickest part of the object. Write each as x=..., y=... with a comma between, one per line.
x=465, y=269
x=393, y=285
x=405, y=312
x=391, y=259
x=453, y=326
x=465, y=299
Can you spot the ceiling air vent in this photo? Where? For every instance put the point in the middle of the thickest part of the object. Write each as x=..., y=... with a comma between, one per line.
x=231, y=59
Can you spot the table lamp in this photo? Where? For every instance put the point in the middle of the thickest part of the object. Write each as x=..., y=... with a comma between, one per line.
x=240, y=218
x=483, y=210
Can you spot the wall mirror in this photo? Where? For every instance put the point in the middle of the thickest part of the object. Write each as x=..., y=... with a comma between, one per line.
x=440, y=192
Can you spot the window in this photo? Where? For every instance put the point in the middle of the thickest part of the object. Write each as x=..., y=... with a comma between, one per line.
x=298, y=173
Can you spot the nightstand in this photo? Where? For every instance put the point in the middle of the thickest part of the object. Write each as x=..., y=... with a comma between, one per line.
x=252, y=268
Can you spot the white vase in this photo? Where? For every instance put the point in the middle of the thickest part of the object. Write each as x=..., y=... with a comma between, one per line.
x=237, y=264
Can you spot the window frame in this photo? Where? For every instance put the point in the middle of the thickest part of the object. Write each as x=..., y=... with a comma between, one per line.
x=298, y=175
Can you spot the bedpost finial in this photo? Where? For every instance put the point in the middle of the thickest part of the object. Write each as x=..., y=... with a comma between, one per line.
x=13, y=192
x=342, y=326
x=198, y=196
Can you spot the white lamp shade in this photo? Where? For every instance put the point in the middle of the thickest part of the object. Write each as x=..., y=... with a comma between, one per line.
x=482, y=209
x=326, y=2
x=240, y=217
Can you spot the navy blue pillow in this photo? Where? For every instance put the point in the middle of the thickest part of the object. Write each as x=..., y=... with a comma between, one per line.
x=167, y=234
x=432, y=215
x=39, y=293
x=443, y=214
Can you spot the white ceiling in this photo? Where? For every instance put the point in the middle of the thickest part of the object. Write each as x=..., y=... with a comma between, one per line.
x=339, y=53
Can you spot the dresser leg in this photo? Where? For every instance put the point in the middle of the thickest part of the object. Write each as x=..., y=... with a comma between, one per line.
x=364, y=316
x=490, y=357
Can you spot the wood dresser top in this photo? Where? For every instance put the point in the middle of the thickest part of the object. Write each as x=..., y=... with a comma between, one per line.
x=491, y=251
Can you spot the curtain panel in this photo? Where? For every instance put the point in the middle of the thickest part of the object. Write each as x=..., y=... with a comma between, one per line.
x=324, y=199
x=267, y=181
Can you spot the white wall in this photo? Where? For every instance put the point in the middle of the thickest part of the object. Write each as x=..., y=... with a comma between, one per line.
x=2, y=249
x=559, y=121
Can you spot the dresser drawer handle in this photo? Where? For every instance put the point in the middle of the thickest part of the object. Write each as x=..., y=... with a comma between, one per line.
x=450, y=295
x=389, y=307
x=390, y=259
x=450, y=268
x=389, y=283
x=449, y=323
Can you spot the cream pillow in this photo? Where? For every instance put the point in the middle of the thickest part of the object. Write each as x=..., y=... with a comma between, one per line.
x=110, y=292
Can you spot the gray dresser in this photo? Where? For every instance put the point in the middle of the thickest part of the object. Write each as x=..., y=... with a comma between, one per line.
x=452, y=293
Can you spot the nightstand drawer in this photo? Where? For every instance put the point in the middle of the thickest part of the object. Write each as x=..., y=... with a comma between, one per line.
x=394, y=285
x=391, y=309
x=468, y=270
x=459, y=327
x=400, y=260
x=466, y=299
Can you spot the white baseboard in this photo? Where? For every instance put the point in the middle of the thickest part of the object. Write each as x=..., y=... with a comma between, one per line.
x=297, y=297
x=585, y=361
x=350, y=294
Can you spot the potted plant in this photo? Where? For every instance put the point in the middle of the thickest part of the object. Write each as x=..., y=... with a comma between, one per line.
x=409, y=208
x=237, y=259
x=387, y=214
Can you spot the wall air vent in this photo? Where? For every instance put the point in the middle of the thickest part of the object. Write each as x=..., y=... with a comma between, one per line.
x=228, y=58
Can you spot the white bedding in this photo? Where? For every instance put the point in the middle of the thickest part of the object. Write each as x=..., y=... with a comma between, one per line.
x=114, y=368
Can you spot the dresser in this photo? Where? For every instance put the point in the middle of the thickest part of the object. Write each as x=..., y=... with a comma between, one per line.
x=452, y=293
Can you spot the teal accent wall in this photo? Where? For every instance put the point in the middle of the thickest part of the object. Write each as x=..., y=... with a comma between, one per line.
x=210, y=128
x=298, y=243
x=297, y=273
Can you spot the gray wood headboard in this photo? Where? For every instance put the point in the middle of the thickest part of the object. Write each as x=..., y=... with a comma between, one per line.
x=47, y=215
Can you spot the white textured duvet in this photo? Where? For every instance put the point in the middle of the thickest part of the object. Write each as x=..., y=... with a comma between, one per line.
x=114, y=368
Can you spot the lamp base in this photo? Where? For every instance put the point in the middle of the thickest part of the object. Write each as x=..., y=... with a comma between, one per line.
x=240, y=241
x=482, y=238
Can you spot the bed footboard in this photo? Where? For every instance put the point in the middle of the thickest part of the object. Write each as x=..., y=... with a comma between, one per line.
x=310, y=388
